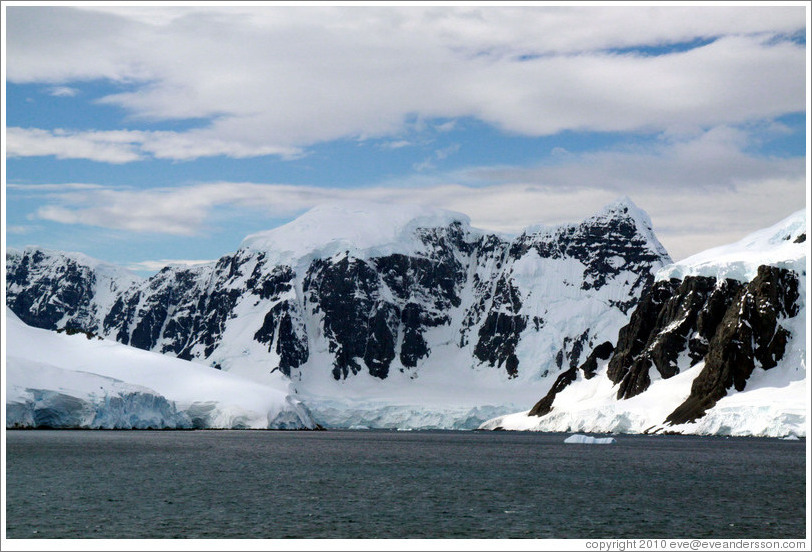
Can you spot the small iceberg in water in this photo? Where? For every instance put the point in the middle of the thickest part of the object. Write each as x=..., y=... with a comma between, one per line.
x=791, y=437
x=587, y=440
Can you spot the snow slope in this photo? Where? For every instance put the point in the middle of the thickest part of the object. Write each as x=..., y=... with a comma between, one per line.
x=362, y=228
x=774, y=402
x=60, y=380
x=775, y=407
x=775, y=246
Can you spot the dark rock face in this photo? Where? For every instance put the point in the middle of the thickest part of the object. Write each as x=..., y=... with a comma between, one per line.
x=633, y=339
x=697, y=316
x=365, y=306
x=733, y=326
x=499, y=335
x=672, y=317
x=598, y=244
x=601, y=352
x=171, y=312
x=373, y=314
x=50, y=293
x=280, y=324
x=414, y=347
x=356, y=320
x=748, y=335
x=589, y=367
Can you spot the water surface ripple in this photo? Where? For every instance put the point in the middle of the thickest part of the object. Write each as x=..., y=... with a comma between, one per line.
x=386, y=484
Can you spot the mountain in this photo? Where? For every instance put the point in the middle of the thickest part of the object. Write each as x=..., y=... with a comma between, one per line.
x=380, y=315
x=716, y=346
x=59, y=380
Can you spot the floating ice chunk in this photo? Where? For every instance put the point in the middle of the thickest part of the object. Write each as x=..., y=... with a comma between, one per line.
x=587, y=440
x=791, y=437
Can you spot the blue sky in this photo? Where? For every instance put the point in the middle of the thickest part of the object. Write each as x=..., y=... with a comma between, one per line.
x=141, y=135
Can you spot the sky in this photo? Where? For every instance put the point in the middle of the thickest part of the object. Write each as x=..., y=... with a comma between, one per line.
x=151, y=134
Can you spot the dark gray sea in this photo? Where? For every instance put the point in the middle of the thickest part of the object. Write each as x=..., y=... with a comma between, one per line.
x=387, y=484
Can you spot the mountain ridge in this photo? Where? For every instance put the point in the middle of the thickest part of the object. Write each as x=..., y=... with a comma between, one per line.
x=437, y=306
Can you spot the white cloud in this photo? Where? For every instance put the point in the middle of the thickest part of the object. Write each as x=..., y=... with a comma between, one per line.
x=707, y=161
x=443, y=153
x=438, y=155
x=104, y=146
x=396, y=144
x=124, y=146
x=52, y=187
x=273, y=80
x=63, y=91
x=21, y=229
x=686, y=223
x=700, y=192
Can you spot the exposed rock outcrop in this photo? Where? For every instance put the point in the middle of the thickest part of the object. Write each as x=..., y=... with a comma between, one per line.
x=749, y=334
x=588, y=368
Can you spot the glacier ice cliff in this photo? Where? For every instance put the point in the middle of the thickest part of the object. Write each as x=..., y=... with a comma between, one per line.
x=72, y=381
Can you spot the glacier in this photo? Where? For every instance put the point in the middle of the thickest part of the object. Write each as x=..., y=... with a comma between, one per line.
x=774, y=401
x=58, y=380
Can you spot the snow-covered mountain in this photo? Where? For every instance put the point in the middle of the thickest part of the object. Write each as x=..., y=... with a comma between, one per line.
x=716, y=346
x=60, y=380
x=380, y=315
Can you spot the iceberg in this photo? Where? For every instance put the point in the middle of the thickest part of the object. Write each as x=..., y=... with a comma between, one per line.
x=589, y=440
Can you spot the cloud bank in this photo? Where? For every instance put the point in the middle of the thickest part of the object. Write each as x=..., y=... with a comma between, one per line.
x=739, y=193
x=274, y=80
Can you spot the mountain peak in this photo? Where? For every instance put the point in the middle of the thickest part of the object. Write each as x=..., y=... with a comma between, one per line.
x=621, y=213
x=357, y=225
x=623, y=204
x=80, y=259
x=624, y=207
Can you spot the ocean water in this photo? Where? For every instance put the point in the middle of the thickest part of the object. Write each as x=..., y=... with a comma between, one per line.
x=388, y=484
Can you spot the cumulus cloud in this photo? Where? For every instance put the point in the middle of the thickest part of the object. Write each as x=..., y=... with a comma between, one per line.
x=273, y=80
